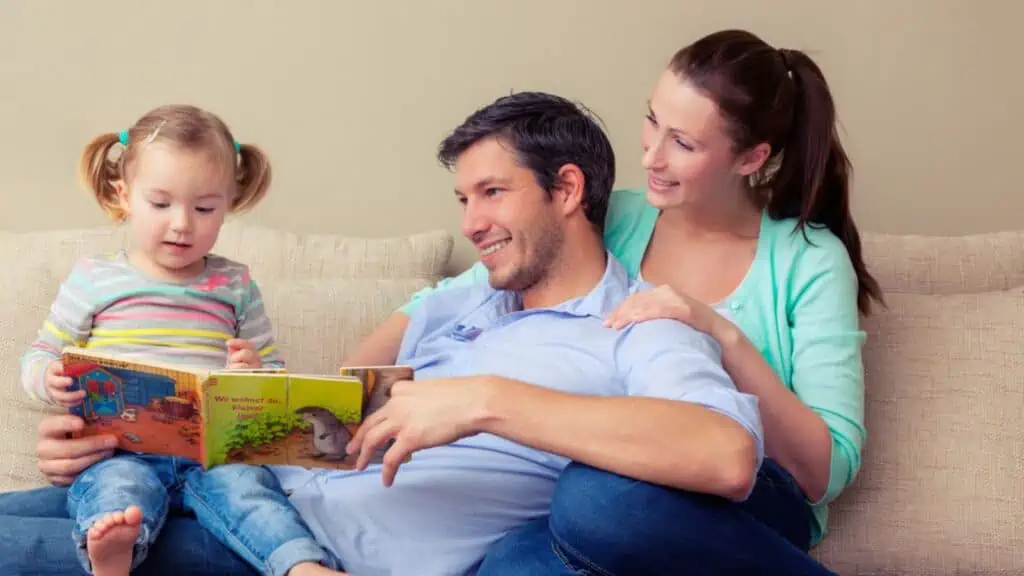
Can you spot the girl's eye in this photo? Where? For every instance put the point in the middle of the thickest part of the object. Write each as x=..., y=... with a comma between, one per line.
x=159, y=205
x=684, y=145
x=492, y=191
x=204, y=209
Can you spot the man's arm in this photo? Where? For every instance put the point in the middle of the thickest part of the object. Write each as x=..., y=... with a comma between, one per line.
x=683, y=425
x=667, y=442
x=381, y=346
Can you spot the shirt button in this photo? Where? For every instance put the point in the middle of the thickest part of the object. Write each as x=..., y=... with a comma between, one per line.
x=735, y=306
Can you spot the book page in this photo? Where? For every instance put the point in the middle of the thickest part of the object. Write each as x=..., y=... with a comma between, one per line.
x=377, y=382
x=152, y=410
x=273, y=418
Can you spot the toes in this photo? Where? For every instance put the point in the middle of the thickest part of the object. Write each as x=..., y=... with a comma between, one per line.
x=99, y=528
x=133, y=515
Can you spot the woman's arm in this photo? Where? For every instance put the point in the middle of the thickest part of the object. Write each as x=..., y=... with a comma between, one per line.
x=382, y=345
x=795, y=435
x=816, y=432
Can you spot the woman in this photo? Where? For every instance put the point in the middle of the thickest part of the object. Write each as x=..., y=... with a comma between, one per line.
x=746, y=230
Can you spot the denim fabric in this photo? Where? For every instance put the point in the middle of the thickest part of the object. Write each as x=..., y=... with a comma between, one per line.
x=605, y=524
x=34, y=530
x=242, y=506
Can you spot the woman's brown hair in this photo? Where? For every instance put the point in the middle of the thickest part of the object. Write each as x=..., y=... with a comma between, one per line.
x=188, y=127
x=780, y=97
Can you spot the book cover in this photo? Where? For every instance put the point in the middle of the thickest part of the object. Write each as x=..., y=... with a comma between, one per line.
x=229, y=416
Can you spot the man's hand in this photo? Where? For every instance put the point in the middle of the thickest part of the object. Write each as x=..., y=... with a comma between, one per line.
x=57, y=385
x=422, y=414
x=62, y=458
x=242, y=355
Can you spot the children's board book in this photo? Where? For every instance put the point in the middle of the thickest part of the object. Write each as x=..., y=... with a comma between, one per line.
x=262, y=416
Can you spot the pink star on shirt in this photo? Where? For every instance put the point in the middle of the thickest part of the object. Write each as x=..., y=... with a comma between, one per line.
x=212, y=283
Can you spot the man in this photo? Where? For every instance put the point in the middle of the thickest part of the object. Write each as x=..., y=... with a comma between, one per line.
x=513, y=380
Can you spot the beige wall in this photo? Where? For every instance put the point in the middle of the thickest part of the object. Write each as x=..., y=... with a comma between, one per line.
x=350, y=98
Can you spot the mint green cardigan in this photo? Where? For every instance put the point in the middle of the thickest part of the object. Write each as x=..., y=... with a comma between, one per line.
x=797, y=304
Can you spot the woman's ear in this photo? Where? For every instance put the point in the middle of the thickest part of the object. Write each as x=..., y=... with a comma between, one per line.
x=753, y=160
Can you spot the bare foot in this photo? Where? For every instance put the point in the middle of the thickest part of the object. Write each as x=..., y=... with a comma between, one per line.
x=311, y=569
x=111, y=540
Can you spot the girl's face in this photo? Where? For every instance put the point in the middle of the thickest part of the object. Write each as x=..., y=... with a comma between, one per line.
x=688, y=154
x=176, y=201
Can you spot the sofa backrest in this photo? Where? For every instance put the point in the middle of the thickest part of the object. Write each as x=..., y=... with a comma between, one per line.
x=941, y=486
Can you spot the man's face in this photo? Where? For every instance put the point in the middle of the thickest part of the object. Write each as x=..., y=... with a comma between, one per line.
x=516, y=228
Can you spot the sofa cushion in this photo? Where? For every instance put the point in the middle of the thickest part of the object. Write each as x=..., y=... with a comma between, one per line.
x=940, y=489
x=323, y=293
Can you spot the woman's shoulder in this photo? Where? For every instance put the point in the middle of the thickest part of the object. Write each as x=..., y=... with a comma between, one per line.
x=628, y=226
x=807, y=252
x=627, y=201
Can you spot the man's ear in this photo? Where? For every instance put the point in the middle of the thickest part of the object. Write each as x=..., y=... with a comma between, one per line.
x=752, y=160
x=570, y=190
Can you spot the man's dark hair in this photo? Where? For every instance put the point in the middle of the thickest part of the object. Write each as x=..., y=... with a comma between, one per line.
x=546, y=132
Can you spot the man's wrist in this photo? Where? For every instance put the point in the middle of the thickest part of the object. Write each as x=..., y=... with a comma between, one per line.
x=487, y=409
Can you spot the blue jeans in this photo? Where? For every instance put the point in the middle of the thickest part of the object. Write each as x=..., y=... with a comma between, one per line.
x=34, y=529
x=605, y=524
x=242, y=506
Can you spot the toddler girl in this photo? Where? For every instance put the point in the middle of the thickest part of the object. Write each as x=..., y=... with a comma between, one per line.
x=168, y=299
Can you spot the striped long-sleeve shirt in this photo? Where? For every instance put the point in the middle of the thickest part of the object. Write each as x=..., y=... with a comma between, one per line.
x=107, y=303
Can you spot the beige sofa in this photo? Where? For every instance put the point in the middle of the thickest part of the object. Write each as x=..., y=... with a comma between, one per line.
x=941, y=490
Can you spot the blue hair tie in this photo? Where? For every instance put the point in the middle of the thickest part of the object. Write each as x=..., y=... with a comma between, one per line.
x=122, y=137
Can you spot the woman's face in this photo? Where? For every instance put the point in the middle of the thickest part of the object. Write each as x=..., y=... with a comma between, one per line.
x=688, y=155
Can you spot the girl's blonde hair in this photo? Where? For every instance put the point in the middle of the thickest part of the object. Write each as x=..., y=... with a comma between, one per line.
x=188, y=127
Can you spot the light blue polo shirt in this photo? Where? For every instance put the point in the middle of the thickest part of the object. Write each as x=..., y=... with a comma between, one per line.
x=450, y=503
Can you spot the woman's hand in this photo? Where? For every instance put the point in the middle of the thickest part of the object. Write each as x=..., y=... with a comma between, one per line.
x=664, y=302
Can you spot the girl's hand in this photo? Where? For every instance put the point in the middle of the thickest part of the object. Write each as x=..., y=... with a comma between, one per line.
x=242, y=355
x=664, y=302
x=57, y=385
